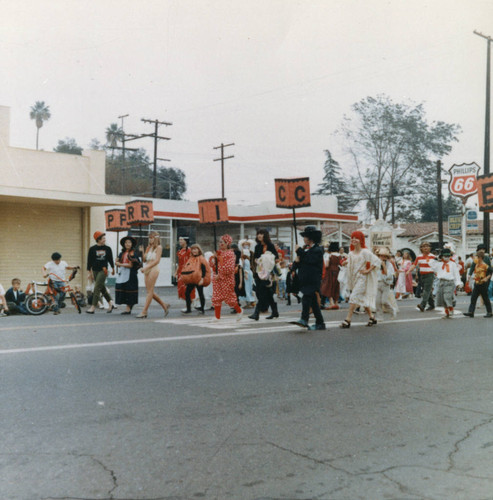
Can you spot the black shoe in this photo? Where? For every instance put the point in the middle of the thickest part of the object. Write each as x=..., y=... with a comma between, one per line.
x=320, y=326
x=255, y=314
x=430, y=308
x=298, y=298
x=469, y=315
x=300, y=322
x=488, y=315
x=421, y=308
x=186, y=311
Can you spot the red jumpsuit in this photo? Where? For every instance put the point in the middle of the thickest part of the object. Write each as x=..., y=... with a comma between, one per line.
x=223, y=281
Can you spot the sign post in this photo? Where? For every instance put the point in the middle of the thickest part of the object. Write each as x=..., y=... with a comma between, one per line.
x=463, y=184
x=116, y=220
x=139, y=212
x=213, y=211
x=293, y=193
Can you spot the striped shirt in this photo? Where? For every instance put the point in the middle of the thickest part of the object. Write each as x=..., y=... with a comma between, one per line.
x=423, y=262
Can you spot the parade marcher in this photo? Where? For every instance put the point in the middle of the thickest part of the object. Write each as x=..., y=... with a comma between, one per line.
x=195, y=274
x=404, y=285
x=224, y=279
x=246, y=255
x=263, y=283
x=385, y=300
x=209, y=256
x=427, y=275
x=152, y=258
x=362, y=279
x=482, y=277
x=292, y=285
x=330, y=284
x=99, y=259
x=310, y=261
x=183, y=255
x=448, y=276
x=127, y=281
x=239, y=276
x=342, y=276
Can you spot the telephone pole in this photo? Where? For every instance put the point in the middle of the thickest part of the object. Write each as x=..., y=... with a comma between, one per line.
x=222, y=146
x=156, y=137
x=486, y=165
x=122, y=117
x=439, y=203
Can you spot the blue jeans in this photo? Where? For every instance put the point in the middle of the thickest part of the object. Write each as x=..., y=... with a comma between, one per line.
x=60, y=296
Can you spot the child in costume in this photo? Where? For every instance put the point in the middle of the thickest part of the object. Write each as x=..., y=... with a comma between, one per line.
x=224, y=279
x=448, y=276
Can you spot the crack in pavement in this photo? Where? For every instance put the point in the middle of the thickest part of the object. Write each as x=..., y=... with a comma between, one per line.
x=456, y=450
x=479, y=412
x=112, y=474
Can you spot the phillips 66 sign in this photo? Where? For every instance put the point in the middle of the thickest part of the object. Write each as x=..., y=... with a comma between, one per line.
x=463, y=180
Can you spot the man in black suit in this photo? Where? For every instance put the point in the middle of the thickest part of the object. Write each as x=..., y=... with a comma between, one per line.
x=15, y=298
x=309, y=261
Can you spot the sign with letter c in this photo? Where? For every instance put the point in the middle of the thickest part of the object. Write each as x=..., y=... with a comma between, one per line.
x=213, y=211
x=293, y=193
x=116, y=220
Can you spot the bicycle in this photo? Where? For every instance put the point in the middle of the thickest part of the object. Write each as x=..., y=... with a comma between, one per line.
x=39, y=302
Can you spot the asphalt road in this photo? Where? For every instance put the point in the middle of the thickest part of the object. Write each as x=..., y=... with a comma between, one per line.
x=110, y=407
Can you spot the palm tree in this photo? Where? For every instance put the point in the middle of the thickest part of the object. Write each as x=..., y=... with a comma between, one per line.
x=41, y=113
x=113, y=134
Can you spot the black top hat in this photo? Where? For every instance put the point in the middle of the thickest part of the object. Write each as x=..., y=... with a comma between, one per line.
x=131, y=238
x=312, y=233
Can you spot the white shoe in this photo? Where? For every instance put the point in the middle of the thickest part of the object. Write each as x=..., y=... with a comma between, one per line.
x=214, y=320
x=239, y=316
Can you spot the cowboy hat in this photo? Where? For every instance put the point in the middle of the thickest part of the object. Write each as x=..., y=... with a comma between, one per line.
x=128, y=237
x=312, y=233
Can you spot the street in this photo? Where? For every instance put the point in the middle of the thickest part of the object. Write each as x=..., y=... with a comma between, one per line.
x=110, y=407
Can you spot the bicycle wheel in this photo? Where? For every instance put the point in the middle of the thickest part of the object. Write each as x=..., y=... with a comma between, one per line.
x=37, y=304
x=74, y=300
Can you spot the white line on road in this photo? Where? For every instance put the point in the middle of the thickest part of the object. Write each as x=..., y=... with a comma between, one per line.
x=250, y=331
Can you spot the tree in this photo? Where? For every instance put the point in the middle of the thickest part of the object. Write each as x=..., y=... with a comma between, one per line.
x=429, y=208
x=40, y=113
x=114, y=134
x=69, y=146
x=392, y=147
x=334, y=184
x=137, y=177
x=170, y=183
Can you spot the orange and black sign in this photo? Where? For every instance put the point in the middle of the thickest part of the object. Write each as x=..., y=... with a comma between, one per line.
x=213, y=211
x=116, y=220
x=293, y=193
x=139, y=212
x=485, y=192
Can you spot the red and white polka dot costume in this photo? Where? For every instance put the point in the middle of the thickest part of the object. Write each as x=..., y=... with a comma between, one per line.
x=223, y=281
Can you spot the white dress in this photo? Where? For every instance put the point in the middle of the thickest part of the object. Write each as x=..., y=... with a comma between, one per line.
x=363, y=286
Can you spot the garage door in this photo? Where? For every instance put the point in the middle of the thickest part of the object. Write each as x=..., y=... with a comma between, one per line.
x=30, y=234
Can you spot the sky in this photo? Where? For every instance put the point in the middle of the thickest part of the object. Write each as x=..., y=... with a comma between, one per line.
x=274, y=77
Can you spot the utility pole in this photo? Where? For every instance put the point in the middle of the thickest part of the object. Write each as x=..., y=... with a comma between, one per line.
x=169, y=182
x=486, y=165
x=222, y=146
x=122, y=117
x=439, y=203
x=156, y=137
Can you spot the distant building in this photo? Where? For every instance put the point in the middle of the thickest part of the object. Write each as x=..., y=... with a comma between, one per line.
x=45, y=206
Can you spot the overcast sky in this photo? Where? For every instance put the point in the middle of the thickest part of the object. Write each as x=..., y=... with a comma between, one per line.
x=273, y=76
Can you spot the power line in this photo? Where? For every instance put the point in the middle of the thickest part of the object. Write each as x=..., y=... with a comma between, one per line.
x=222, y=146
x=157, y=123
